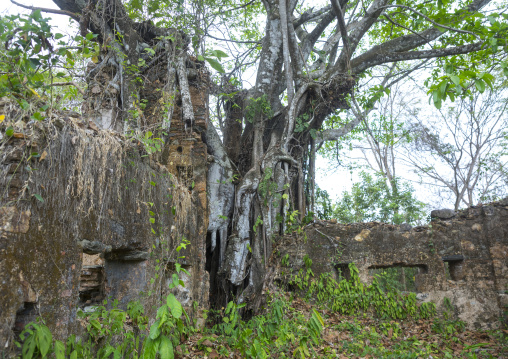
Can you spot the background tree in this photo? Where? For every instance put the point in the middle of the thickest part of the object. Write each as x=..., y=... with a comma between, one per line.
x=309, y=63
x=37, y=64
x=373, y=148
x=372, y=199
x=460, y=150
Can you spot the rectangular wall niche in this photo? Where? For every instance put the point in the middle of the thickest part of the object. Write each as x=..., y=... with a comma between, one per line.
x=24, y=315
x=398, y=276
x=28, y=311
x=91, y=282
x=343, y=271
x=126, y=275
x=454, y=267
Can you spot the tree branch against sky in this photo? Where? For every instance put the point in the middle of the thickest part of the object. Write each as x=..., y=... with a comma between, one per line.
x=460, y=149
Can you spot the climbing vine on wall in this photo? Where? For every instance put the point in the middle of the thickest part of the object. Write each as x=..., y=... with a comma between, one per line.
x=351, y=296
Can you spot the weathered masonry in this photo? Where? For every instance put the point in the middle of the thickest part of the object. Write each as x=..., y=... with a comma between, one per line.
x=93, y=215
x=460, y=256
x=87, y=215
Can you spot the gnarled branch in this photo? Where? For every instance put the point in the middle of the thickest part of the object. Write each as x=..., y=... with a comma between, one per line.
x=51, y=11
x=371, y=58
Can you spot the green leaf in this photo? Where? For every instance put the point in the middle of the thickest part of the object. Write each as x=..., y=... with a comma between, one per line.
x=59, y=350
x=162, y=314
x=152, y=220
x=442, y=87
x=437, y=99
x=9, y=131
x=318, y=316
x=215, y=64
x=28, y=347
x=37, y=116
x=166, y=348
x=219, y=54
x=74, y=355
x=150, y=348
x=480, y=85
x=468, y=73
x=435, y=96
x=488, y=78
x=455, y=79
x=155, y=330
x=95, y=323
x=175, y=306
x=45, y=338
x=150, y=51
x=24, y=104
x=175, y=279
x=34, y=62
x=109, y=350
x=137, y=4
x=38, y=197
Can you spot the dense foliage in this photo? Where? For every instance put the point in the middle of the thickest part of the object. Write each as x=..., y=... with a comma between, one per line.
x=336, y=318
x=372, y=199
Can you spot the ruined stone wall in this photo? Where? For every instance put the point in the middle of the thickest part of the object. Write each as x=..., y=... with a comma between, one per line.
x=472, y=245
x=85, y=214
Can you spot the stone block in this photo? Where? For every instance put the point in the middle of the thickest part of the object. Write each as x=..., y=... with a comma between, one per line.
x=443, y=213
